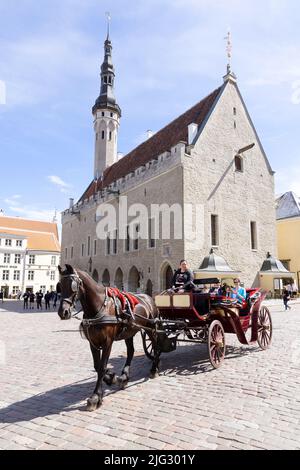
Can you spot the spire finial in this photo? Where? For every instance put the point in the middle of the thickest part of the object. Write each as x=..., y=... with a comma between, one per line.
x=228, y=50
x=108, y=16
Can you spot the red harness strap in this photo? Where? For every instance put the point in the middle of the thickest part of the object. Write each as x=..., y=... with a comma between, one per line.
x=122, y=296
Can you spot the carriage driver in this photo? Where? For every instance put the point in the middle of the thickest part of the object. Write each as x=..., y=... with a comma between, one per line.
x=183, y=277
x=238, y=292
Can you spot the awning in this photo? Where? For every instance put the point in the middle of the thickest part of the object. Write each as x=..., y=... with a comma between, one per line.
x=216, y=266
x=273, y=267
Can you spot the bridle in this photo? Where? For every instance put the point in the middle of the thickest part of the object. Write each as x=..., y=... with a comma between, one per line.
x=75, y=286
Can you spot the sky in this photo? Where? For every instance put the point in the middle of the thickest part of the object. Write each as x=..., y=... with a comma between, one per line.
x=168, y=55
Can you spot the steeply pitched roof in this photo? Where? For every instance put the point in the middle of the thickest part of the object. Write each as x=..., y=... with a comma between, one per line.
x=287, y=206
x=42, y=236
x=159, y=143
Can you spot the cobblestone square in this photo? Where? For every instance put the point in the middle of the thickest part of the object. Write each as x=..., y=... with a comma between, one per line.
x=251, y=402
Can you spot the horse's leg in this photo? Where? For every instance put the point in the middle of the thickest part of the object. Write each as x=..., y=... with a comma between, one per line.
x=154, y=371
x=124, y=378
x=96, y=357
x=95, y=401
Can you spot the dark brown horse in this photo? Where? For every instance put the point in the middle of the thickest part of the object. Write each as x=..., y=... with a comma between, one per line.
x=103, y=323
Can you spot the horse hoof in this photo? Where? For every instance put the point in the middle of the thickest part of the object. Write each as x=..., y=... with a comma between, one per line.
x=93, y=403
x=110, y=379
x=154, y=375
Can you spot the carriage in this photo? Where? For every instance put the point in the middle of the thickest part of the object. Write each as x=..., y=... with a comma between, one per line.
x=201, y=317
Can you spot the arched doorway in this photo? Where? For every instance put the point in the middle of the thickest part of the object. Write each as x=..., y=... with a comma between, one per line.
x=166, y=277
x=119, y=279
x=149, y=288
x=133, y=280
x=95, y=275
x=106, y=278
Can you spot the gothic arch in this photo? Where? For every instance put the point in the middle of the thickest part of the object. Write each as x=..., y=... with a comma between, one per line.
x=95, y=275
x=106, y=278
x=166, y=276
x=133, y=280
x=149, y=288
x=119, y=279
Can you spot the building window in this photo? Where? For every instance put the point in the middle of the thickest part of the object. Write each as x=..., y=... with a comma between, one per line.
x=66, y=253
x=136, y=238
x=52, y=276
x=30, y=275
x=6, y=258
x=19, y=242
x=15, y=290
x=53, y=261
x=31, y=259
x=17, y=259
x=110, y=135
x=238, y=161
x=105, y=79
x=72, y=252
x=127, y=241
x=89, y=246
x=115, y=243
x=103, y=135
x=95, y=247
x=103, y=113
x=234, y=111
x=151, y=233
x=253, y=230
x=108, y=245
x=7, y=242
x=16, y=275
x=111, y=114
x=5, y=275
x=214, y=230
x=43, y=289
x=82, y=249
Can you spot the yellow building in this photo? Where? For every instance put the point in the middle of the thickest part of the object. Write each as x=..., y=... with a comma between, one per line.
x=288, y=233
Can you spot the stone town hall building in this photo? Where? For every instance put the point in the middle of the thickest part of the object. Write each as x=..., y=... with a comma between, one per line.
x=199, y=158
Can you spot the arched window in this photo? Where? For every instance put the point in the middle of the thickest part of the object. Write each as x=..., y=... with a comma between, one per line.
x=238, y=163
x=106, y=278
x=103, y=135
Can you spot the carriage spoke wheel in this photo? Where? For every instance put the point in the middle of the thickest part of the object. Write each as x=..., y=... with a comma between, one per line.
x=264, y=328
x=216, y=344
x=147, y=345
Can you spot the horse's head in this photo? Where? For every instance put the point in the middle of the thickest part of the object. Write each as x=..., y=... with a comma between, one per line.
x=69, y=287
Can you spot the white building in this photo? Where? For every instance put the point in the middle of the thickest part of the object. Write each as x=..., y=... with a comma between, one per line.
x=29, y=255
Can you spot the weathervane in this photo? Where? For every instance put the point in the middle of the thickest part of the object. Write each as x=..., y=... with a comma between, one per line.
x=229, y=50
x=108, y=16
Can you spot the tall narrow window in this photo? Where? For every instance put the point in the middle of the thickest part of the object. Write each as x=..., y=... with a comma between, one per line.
x=110, y=135
x=136, y=238
x=108, y=245
x=89, y=246
x=151, y=233
x=238, y=163
x=103, y=135
x=115, y=242
x=82, y=249
x=127, y=241
x=72, y=252
x=95, y=247
x=214, y=230
x=253, y=230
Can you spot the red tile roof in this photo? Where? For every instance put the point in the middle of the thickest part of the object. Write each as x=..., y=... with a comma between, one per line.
x=161, y=142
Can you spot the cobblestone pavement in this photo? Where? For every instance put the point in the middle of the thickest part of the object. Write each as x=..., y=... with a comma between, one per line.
x=251, y=402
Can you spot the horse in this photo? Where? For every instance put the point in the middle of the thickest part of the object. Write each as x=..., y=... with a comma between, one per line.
x=103, y=323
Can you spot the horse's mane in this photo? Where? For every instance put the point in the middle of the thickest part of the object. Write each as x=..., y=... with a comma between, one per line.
x=86, y=278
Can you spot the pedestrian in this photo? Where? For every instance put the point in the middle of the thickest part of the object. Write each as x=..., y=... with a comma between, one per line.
x=286, y=297
x=47, y=300
x=2, y=296
x=25, y=298
x=31, y=300
x=294, y=289
x=55, y=297
x=39, y=296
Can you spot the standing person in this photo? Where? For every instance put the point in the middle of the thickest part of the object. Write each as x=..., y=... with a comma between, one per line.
x=31, y=300
x=183, y=277
x=39, y=296
x=294, y=289
x=55, y=295
x=2, y=296
x=288, y=288
x=47, y=300
x=25, y=298
x=286, y=297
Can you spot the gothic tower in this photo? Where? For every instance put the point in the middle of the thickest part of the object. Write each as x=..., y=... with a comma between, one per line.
x=107, y=114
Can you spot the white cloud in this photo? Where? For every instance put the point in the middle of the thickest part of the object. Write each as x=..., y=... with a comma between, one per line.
x=30, y=212
x=57, y=181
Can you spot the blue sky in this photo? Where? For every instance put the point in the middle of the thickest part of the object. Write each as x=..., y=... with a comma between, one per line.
x=168, y=55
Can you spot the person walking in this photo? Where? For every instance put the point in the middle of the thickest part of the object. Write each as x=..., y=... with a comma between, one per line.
x=25, y=298
x=55, y=296
x=47, y=300
x=2, y=296
x=286, y=297
x=31, y=300
x=39, y=296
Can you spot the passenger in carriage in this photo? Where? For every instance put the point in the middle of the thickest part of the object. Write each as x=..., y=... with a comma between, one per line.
x=183, y=278
x=238, y=292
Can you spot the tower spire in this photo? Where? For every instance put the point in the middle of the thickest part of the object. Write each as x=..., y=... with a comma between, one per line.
x=108, y=16
x=230, y=76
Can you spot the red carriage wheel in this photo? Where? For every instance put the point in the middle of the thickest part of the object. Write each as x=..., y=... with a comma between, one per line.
x=216, y=344
x=264, y=328
x=147, y=345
